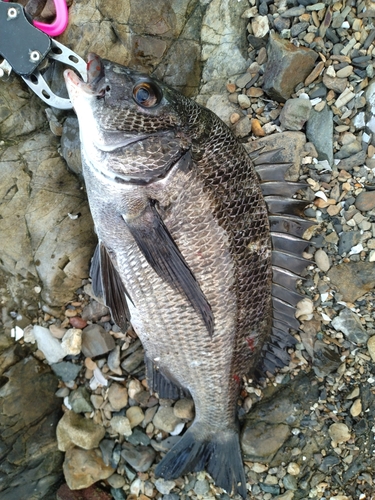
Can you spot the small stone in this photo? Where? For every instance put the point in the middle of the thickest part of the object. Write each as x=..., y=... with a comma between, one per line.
x=57, y=331
x=256, y=128
x=75, y=430
x=66, y=370
x=184, y=409
x=344, y=72
x=254, y=92
x=365, y=201
x=117, y=396
x=202, y=487
x=164, y=486
x=339, y=433
x=356, y=408
x=121, y=425
x=96, y=341
x=165, y=419
x=140, y=457
x=135, y=387
x=94, y=311
x=295, y=113
x=242, y=81
x=304, y=309
x=116, y=481
x=243, y=127
x=135, y=415
x=319, y=131
x=79, y=400
x=78, y=322
x=48, y=344
x=131, y=363
x=82, y=468
x=336, y=84
x=322, y=260
x=234, y=117
x=293, y=469
x=243, y=101
x=344, y=98
x=260, y=26
x=350, y=325
x=72, y=341
x=315, y=73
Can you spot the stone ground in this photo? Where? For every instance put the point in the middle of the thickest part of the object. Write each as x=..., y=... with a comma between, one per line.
x=308, y=431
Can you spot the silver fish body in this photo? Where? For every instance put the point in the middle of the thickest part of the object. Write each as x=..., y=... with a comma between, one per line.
x=184, y=246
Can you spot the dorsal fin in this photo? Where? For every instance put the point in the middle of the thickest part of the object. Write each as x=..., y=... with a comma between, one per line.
x=288, y=225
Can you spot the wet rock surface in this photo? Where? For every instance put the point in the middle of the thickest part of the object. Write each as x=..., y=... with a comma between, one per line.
x=307, y=432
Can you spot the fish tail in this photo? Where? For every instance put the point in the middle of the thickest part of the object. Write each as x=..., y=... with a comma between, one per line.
x=201, y=448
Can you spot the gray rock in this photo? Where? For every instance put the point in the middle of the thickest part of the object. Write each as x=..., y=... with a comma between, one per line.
x=355, y=160
x=286, y=67
x=116, y=481
x=96, y=341
x=348, y=239
x=350, y=325
x=349, y=150
x=113, y=360
x=164, y=486
x=166, y=444
x=131, y=363
x=121, y=425
x=202, y=487
x=71, y=145
x=140, y=457
x=66, y=370
x=242, y=128
x=326, y=358
x=319, y=131
x=106, y=447
x=94, y=311
x=365, y=201
x=79, y=400
x=295, y=113
x=138, y=437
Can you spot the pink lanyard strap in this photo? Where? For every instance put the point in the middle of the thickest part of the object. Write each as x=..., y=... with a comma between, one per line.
x=60, y=23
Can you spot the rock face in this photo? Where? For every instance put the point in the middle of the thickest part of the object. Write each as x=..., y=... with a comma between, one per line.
x=30, y=463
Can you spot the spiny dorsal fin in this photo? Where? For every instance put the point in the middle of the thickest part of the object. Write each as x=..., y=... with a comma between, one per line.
x=295, y=226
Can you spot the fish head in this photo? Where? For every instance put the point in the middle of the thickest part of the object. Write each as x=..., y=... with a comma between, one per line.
x=119, y=109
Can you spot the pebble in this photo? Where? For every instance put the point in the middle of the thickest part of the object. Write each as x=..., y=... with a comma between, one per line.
x=365, y=201
x=322, y=260
x=72, y=341
x=244, y=101
x=82, y=468
x=165, y=419
x=116, y=481
x=48, y=344
x=75, y=430
x=260, y=26
x=184, y=409
x=339, y=433
x=57, y=331
x=202, y=487
x=113, y=360
x=135, y=415
x=319, y=131
x=78, y=322
x=66, y=370
x=293, y=469
x=356, y=408
x=163, y=486
x=79, y=400
x=117, y=396
x=350, y=325
x=295, y=113
x=121, y=425
x=140, y=457
x=96, y=341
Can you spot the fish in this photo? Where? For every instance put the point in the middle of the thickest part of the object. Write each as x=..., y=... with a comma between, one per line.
x=188, y=252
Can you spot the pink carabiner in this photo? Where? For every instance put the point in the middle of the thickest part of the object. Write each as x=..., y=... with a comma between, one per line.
x=60, y=23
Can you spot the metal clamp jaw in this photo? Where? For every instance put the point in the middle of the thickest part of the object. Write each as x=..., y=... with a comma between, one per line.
x=24, y=47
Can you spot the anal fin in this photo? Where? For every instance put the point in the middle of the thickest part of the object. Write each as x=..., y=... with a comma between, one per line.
x=161, y=384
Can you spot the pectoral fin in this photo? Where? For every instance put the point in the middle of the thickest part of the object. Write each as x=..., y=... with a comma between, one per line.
x=164, y=256
x=107, y=283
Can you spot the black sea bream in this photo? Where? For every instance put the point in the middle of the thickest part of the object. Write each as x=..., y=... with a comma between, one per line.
x=185, y=251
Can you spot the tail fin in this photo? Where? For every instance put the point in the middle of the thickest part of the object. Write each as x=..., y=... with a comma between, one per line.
x=218, y=453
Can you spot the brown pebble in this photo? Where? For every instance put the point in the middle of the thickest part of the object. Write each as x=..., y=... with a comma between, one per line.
x=234, y=117
x=314, y=73
x=90, y=364
x=78, y=322
x=371, y=151
x=254, y=92
x=256, y=128
x=365, y=201
x=231, y=87
x=70, y=313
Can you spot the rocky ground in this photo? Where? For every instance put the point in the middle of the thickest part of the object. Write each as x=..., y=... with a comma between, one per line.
x=308, y=431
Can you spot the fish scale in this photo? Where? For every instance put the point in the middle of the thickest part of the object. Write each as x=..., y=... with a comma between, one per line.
x=185, y=252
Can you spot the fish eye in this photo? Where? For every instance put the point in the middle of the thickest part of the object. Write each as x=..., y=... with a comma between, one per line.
x=146, y=94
